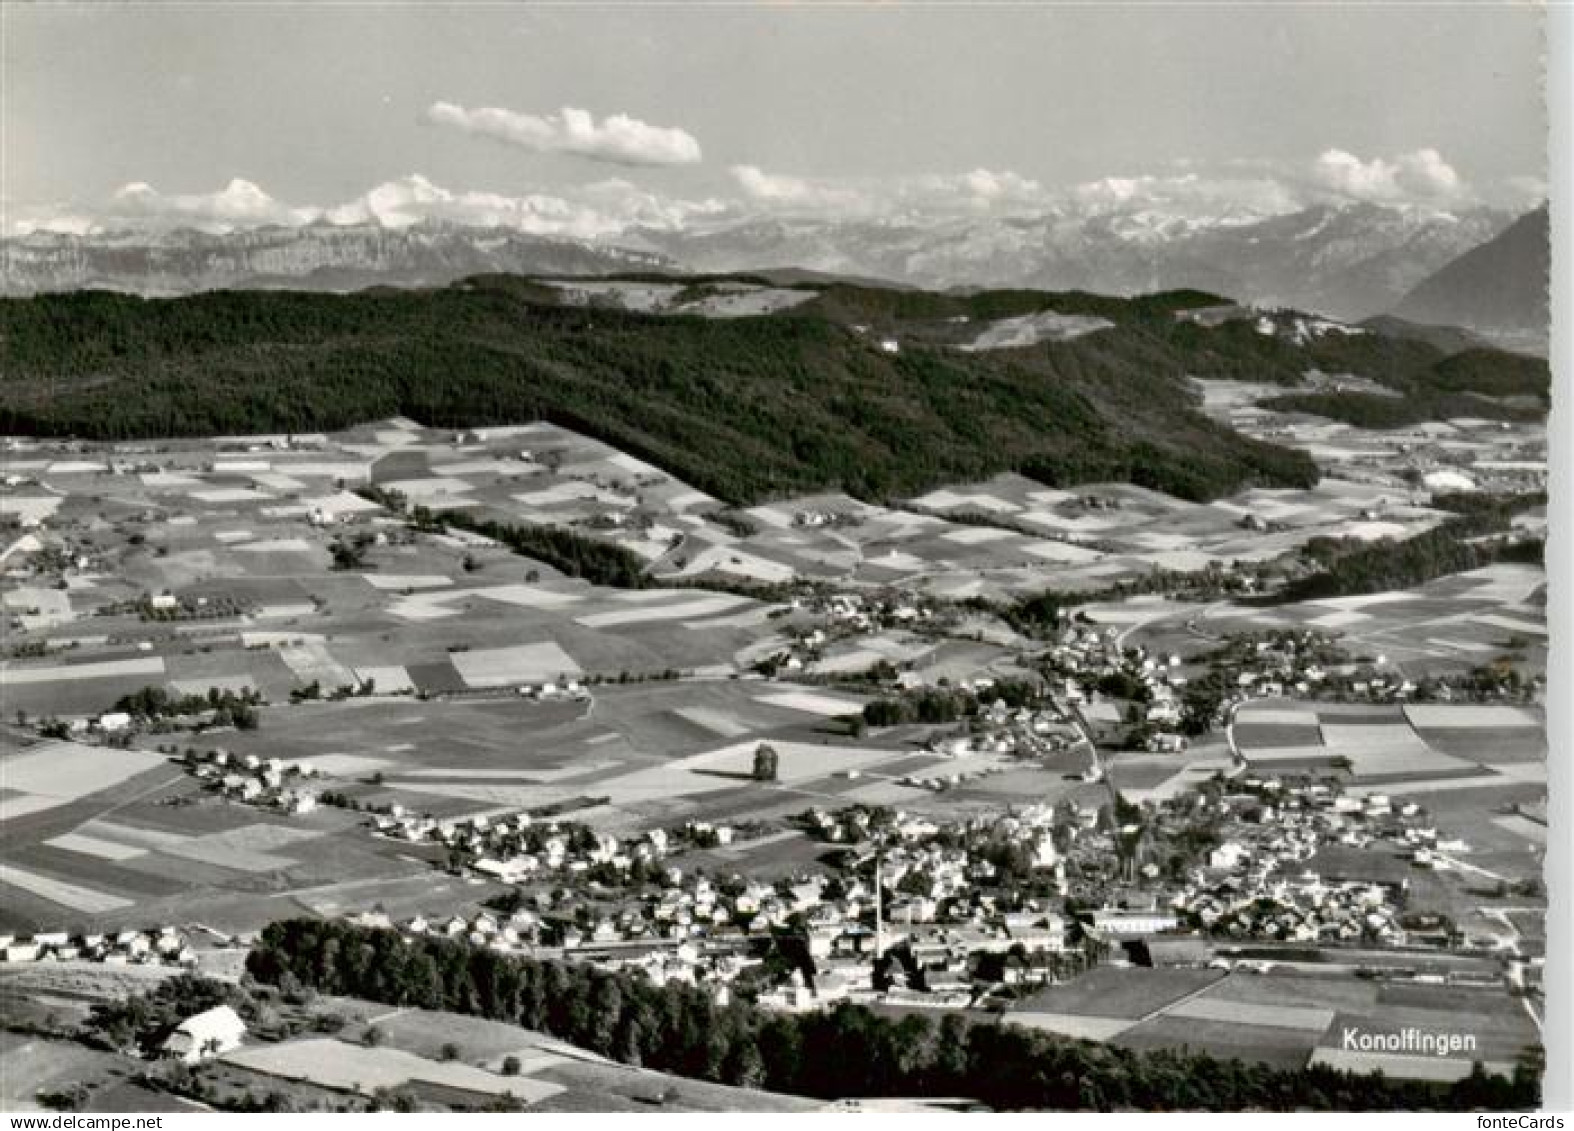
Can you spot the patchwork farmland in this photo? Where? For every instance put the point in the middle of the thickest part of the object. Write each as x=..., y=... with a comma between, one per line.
x=262, y=678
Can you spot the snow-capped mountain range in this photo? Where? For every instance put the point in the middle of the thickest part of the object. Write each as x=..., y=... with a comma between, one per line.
x=317, y=256
x=1345, y=260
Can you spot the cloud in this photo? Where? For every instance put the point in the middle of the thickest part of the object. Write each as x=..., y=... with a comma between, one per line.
x=600, y=210
x=930, y=194
x=1190, y=195
x=617, y=139
x=1236, y=191
x=989, y=187
x=1425, y=173
x=239, y=204
x=761, y=187
x=634, y=205
x=46, y=220
x=1521, y=192
x=1419, y=177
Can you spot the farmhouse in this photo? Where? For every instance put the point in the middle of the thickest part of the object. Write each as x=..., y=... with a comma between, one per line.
x=204, y=1035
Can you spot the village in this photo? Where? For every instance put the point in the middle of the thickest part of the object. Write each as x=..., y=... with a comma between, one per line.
x=844, y=778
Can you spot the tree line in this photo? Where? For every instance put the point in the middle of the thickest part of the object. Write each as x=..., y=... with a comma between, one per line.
x=1477, y=536
x=841, y=1052
x=569, y=552
x=948, y=704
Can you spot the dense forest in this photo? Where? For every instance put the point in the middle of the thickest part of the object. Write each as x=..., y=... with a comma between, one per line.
x=1477, y=536
x=1431, y=385
x=1378, y=410
x=842, y=1052
x=746, y=409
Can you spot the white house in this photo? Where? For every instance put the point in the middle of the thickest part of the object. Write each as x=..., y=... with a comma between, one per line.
x=205, y=1035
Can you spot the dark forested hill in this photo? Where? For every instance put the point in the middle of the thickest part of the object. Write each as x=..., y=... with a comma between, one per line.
x=1497, y=288
x=810, y=398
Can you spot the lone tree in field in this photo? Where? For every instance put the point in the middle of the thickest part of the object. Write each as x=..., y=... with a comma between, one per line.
x=765, y=762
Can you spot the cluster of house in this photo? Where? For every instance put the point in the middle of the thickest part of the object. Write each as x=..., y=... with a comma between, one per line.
x=1276, y=662
x=1310, y=663
x=160, y=946
x=1256, y=882
x=847, y=615
x=517, y=847
x=869, y=611
x=921, y=912
x=1036, y=731
x=943, y=934
x=709, y=933
x=1371, y=685
x=1301, y=909
x=811, y=518
x=938, y=908
x=946, y=903
x=1083, y=657
x=273, y=783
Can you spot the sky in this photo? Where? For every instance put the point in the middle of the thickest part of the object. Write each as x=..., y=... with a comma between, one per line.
x=584, y=119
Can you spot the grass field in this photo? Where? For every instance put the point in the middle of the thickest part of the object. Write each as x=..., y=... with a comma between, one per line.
x=1412, y=750
x=54, y=773
x=445, y=625
x=30, y=1066
x=1125, y=992
x=1223, y=1039
x=156, y=849
x=1287, y=1018
x=352, y=1067
x=573, y=1079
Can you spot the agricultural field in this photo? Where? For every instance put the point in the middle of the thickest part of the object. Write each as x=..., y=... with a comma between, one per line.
x=1286, y=1018
x=443, y=1060
x=423, y=670
x=1102, y=534
x=1445, y=627
x=342, y=1066
x=1466, y=452
x=137, y=842
x=658, y=752
x=1418, y=748
x=34, y=1067
x=258, y=507
x=1125, y=993
x=213, y=566
x=556, y=1075
x=1160, y=777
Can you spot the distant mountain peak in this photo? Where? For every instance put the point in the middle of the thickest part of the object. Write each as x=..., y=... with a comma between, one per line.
x=1347, y=260
x=1497, y=289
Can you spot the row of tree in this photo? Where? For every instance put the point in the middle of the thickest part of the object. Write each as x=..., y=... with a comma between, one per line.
x=948, y=704
x=569, y=552
x=841, y=1052
x=228, y=707
x=1379, y=567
